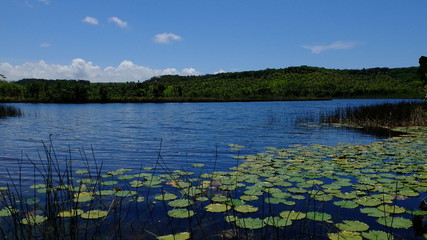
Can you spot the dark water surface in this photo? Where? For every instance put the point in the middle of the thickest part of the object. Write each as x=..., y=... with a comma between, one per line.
x=131, y=135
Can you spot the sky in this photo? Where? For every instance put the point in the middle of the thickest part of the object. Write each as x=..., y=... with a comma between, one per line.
x=134, y=40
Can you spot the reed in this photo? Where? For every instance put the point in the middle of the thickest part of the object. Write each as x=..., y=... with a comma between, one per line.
x=386, y=115
x=9, y=111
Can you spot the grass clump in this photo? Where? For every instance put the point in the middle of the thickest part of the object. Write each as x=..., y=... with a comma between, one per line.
x=9, y=111
x=385, y=115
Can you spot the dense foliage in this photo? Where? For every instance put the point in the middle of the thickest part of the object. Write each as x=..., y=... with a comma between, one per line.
x=270, y=84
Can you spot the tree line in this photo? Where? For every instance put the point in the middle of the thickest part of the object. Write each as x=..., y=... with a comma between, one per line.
x=290, y=83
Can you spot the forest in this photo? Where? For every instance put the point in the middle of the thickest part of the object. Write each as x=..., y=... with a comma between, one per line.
x=292, y=83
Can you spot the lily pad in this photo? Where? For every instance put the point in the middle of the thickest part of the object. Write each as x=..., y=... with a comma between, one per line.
x=374, y=212
x=180, y=213
x=7, y=211
x=319, y=216
x=126, y=193
x=166, y=197
x=245, y=208
x=94, y=214
x=353, y=226
x=346, y=204
x=181, y=203
x=178, y=236
x=376, y=235
x=345, y=235
x=292, y=215
x=277, y=222
x=395, y=222
x=391, y=209
x=250, y=223
x=70, y=213
x=33, y=220
x=217, y=207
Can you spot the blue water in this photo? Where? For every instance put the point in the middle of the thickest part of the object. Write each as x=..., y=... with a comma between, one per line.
x=133, y=135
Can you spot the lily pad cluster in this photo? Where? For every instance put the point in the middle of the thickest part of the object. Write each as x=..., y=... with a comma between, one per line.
x=278, y=188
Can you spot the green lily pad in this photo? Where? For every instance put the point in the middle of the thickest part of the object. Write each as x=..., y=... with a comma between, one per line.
x=368, y=201
x=181, y=203
x=245, y=208
x=395, y=222
x=376, y=235
x=319, y=216
x=217, y=207
x=346, y=204
x=37, y=186
x=166, y=197
x=70, y=213
x=277, y=222
x=391, y=209
x=374, y=212
x=202, y=199
x=353, y=226
x=177, y=236
x=7, y=211
x=94, y=214
x=106, y=192
x=180, y=213
x=109, y=183
x=249, y=198
x=220, y=198
x=80, y=172
x=83, y=197
x=198, y=165
x=345, y=235
x=33, y=220
x=292, y=215
x=250, y=223
x=126, y=193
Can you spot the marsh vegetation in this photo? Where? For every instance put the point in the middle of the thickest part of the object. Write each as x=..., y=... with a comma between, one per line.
x=9, y=111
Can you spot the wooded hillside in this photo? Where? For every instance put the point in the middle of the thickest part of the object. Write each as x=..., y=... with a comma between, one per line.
x=270, y=84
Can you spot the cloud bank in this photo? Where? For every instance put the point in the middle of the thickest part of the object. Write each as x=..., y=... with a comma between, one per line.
x=81, y=69
x=338, y=45
x=166, y=38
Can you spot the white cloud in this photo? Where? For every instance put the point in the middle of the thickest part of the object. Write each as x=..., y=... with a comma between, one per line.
x=44, y=45
x=90, y=20
x=118, y=21
x=166, y=38
x=219, y=71
x=81, y=69
x=338, y=45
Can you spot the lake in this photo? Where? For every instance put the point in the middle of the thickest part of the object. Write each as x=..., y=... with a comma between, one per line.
x=171, y=138
x=128, y=135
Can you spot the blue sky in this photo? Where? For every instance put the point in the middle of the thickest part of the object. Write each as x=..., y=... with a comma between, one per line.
x=130, y=40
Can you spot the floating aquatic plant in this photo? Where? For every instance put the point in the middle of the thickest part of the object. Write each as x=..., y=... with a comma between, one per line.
x=319, y=216
x=33, y=220
x=345, y=235
x=376, y=235
x=70, y=213
x=277, y=222
x=181, y=203
x=177, y=236
x=395, y=222
x=353, y=226
x=217, y=207
x=245, y=208
x=181, y=213
x=292, y=215
x=166, y=197
x=94, y=214
x=250, y=223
